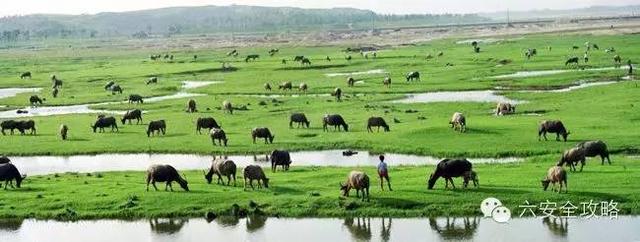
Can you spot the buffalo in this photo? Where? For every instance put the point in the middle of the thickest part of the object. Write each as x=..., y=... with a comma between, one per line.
x=285, y=86
x=505, y=108
x=377, y=122
x=280, y=158
x=571, y=157
x=267, y=87
x=156, y=127
x=220, y=168
x=555, y=174
x=8, y=124
x=251, y=57
x=104, y=122
x=552, y=126
x=303, y=87
x=135, y=98
x=262, y=132
x=414, y=75
x=227, y=107
x=356, y=180
x=218, y=134
x=206, y=123
x=458, y=122
x=64, y=130
x=131, y=115
x=115, y=88
x=152, y=80
x=254, y=172
x=337, y=93
x=298, y=118
x=572, y=60
x=387, y=82
x=334, y=120
x=26, y=125
x=595, y=148
x=165, y=173
x=447, y=169
x=351, y=81
x=8, y=173
x=55, y=92
x=25, y=75
x=191, y=106
x=35, y=100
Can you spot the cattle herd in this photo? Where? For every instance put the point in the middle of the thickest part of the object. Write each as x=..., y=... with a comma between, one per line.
x=357, y=180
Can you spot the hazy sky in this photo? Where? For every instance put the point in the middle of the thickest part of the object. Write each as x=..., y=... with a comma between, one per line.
x=21, y=7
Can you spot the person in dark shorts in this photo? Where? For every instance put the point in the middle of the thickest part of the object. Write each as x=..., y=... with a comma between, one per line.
x=383, y=173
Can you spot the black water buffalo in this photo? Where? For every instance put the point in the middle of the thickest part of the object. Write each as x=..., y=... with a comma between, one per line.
x=298, y=118
x=285, y=86
x=305, y=61
x=334, y=120
x=109, y=85
x=57, y=83
x=386, y=82
x=337, y=93
x=131, y=115
x=35, y=100
x=414, y=75
x=26, y=125
x=165, y=173
x=206, y=123
x=8, y=124
x=280, y=158
x=219, y=135
x=552, y=126
x=104, y=122
x=115, y=88
x=25, y=75
x=251, y=57
x=377, y=122
x=64, y=131
x=298, y=58
x=572, y=60
x=55, y=92
x=267, y=87
x=158, y=126
x=595, y=148
x=135, y=98
x=447, y=169
x=262, y=132
x=8, y=173
x=191, y=106
x=351, y=81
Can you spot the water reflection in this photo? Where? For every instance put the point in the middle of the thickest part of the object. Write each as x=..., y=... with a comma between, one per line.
x=625, y=228
x=167, y=226
x=463, y=230
x=557, y=226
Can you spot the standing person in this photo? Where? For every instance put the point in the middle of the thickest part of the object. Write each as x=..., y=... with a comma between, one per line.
x=383, y=173
x=630, y=67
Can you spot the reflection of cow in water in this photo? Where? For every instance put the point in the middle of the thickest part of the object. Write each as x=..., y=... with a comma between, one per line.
x=166, y=226
x=559, y=228
x=255, y=223
x=360, y=229
x=456, y=231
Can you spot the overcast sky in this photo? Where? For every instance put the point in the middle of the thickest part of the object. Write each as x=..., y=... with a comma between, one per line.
x=22, y=7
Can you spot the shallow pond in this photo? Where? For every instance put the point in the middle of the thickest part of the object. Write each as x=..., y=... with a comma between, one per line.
x=197, y=84
x=522, y=74
x=457, y=96
x=229, y=229
x=579, y=85
x=11, y=92
x=39, y=165
x=369, y=72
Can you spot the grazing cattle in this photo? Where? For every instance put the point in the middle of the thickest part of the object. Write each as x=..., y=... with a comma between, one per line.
x=280, y=158
x=218, y=134
x=232, y=53
x=571, y=157
x=414, y=75
x=555, y=174
x=617, y=59
x=251, y=57
x=458, y=122
x=572, y=60
x=387, y=82
x=303, y=87
x=135, y=98
x=8, y=173
x=64, y=130
x=351, y=81
x=505, y=108
x=26, y=125
x=305, y=61
x=152, y=80
x=447, y=169
x=298, y=118
x=334, y=120
x=298, y=58
x=156, y=127
x=222, y=167
x=35, y=100
x=191, y=106
x=377, y=122
x=254, y=172
x=285, y=86
x=440, y=53
x=25, y=75
x=610, y=50
x=348, y=58
x=104, y=122
x=595, y=148
x=262, y=132
x=267, y=87
x=476, y=49
x=272, y=52
x=165, y=173
x=115, y=88
x=4, y=160
x=474, y=43
x=575, y=47
x=356, y=180
x=337, y=93
x=54, y=92
x=227, y=107
x=206, y=123
x=131, y=115
x=327, y=58
x=470, y=176
x=57, y=83
x=8, y=124
x=552, y=126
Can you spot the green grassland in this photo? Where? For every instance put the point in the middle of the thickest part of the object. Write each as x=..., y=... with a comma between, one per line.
x=314, y=191
x=606, y=112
